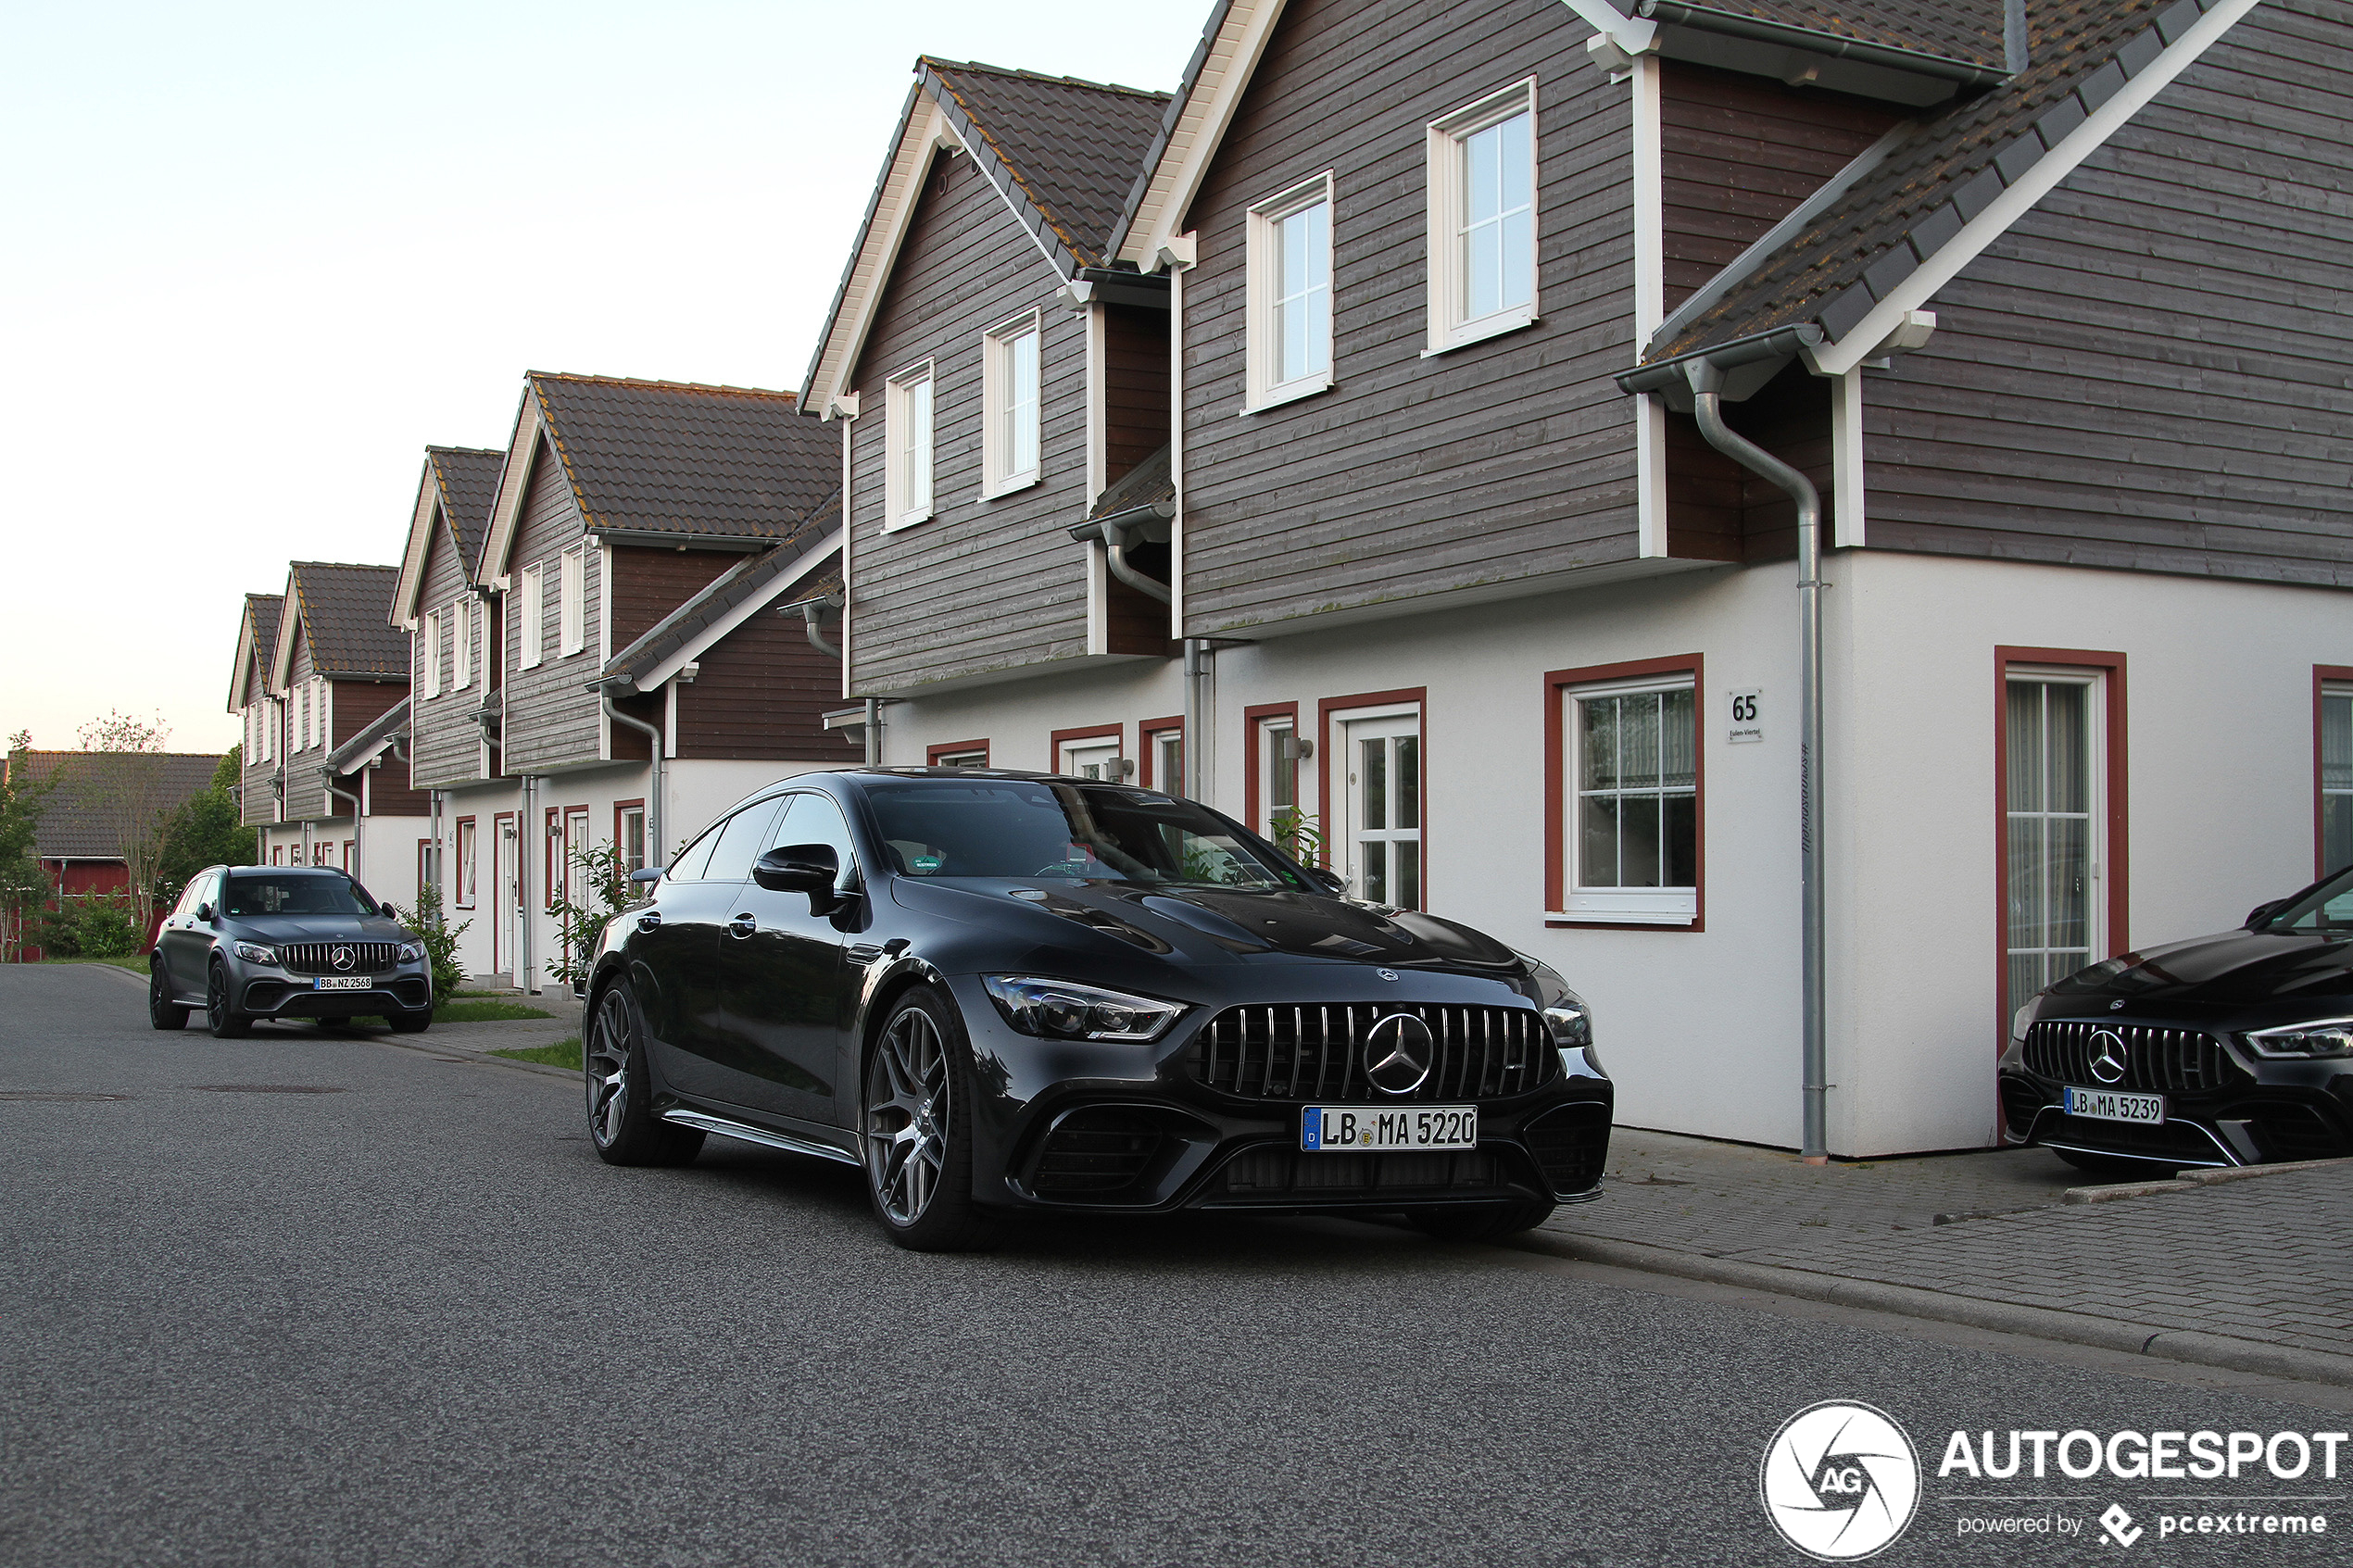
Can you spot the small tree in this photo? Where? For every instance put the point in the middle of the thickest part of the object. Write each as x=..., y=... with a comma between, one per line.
x=205, y=831
x=604, y=879
x=441, y=942
x=121, y=774
x=90, y=925
x=24, y=887
x=1298, y=834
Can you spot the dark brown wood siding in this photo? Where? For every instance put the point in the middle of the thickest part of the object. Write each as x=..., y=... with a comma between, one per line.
x=648, y=585
x=444, y=744
x=985, y=584
x=1739, y=153
x=2149, y=371
x=551, y=719
x=1718, y=510
x=1134, y=386
x=1413, y=475
x=357, y=705
x=762, y=692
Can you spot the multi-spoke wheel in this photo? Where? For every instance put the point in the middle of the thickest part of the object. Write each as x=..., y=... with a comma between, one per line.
x=918, y=1145
x=220, y=1010
x=613, y=1061
x=162, y=1011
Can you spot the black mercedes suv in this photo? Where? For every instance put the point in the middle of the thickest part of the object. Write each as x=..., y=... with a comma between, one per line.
x=2233, y=1049
x=1000, y=992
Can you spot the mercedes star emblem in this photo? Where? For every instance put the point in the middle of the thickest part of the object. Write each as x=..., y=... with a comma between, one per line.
x=1386, y=973
x=342, y=958
x=1398, y=1054
x=2108, y=1061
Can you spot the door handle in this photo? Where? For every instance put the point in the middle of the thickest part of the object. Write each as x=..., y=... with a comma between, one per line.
x=649, y=920
x=743, y=924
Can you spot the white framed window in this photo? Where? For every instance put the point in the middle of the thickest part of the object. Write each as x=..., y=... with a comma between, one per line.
x=322, y=697
x=1287, y=258
x=1094, y=757
x=2054, y=823
x=1632, y=767
x=533, y=627
x=1168, y=762
x=1482, y=218
x=2336, y=778
x=1376, y=841
x=976, y=757
x=907, y=440
x=1009, y=398
x=462, y=645
x=572, y=603
x=429, y=653
x=1279, y=755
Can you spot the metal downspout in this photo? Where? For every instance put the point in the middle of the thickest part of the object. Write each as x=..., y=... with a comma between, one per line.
x=1193, y=665
x=358, y=843
x=525, y=837
x=654, y=840
x=874, y=732
x=1707, y=383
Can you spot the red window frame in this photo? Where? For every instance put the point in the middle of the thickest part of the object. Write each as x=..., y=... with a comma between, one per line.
x=1089, y=732
x=620, y=839
x=1147, y=734
x=2323, y=677
x=1254, y=741
x=551, y=857
x=932, y=754
x=1558, y=683
x=462, y=896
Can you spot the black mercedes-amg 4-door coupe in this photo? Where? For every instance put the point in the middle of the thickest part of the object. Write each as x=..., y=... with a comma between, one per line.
x=1000, y=992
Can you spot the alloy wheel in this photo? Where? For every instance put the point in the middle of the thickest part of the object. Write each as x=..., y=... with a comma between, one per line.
x=907, y=1111
x=158, y=996
x=216, y=999
x=605, y=1066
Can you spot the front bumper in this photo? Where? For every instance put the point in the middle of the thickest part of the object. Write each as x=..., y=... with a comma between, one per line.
x=283, y=996
x=2271, y=1111
x=1085, y=1127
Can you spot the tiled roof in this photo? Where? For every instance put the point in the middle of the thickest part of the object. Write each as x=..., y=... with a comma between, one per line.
x=746, y=579
x=468, y=477
x=678, y=458
x=78, y=821
x=1950, y=167
x=1149, y=483
x=1970, y=30
x=1069, y=151
x=344, y=614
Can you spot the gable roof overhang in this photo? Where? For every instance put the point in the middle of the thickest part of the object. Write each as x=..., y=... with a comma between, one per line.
x=1195, y=122
x=923, y=130
x=385, y=730
x=434, y=516
x=250, y=637
x=289, y=628
x=336, y=612
x=514, y=479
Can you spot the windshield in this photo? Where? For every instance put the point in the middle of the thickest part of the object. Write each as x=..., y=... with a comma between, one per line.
x=1016, y=828
x=2327, y=908
x=295, y=895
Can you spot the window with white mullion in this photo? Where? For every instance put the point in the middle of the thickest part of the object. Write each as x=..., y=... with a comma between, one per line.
x=1010, y=403
x=907, y=442
x=1633, y=838
x=1288, y=262
x=572, y=603
x=2053, y=818
x=462, y=645
x=2336, y=779
x=533, y=628
x=429, y=653
x=1482, y=218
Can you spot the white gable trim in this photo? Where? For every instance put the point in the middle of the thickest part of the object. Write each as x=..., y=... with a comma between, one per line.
x=922, y=132
x=1864, y=339
x=1210, y=102
x=289, y=622
x=808, y=561
x=412, y=586
x=515, y=480
x=247, y=654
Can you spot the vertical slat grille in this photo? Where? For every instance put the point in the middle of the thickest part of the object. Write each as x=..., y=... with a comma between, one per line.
x=1298, y=1052
x=319, y=957
x=2157, y=1059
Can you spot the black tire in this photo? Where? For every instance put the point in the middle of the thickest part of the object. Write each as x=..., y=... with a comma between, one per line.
x=410, y=1023
x=1478, y=1221
x=915, y=1114
x=619, y=1086
x=2117, y=1168
x=162, y=1011
x=225, y=1019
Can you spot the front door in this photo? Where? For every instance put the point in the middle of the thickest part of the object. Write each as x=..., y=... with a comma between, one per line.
x=786, y=993
x=1381, y=847
x=506, y=897
x=2055, y=812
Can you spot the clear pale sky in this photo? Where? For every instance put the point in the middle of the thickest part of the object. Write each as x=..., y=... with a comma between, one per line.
x=257, y=256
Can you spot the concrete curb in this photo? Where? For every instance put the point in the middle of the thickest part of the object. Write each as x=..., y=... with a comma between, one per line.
x=427, y=1045
x=2002, y=1317
x=2190, y=1181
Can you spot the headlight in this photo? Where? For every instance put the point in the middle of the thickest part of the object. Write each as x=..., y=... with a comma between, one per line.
x=1058, y=1010
x=2327, y=1036
x=412, y=951
x=1571, y=1021
x=254, y=952
x=2021, y=1020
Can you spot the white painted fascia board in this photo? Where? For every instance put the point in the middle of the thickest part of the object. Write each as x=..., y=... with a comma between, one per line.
x=1633, y=34
x=237, y=681
x=924, y=132
x=1739, y=269
x=515, y=480
x=2016, y=200
x=289, y=618
x=1201, y=127
x=808, y=561
x=411, y=585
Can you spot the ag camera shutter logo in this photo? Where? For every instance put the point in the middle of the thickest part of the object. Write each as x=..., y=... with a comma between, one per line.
x=1840, y=1481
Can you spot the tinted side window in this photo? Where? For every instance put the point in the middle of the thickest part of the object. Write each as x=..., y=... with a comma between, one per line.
x=741, y=838
x=689, y=866
x=815, y=818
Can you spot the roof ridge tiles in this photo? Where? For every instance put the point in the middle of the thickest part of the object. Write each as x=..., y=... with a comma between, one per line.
x=343, y=566
x=663, y=385
x=942, y=62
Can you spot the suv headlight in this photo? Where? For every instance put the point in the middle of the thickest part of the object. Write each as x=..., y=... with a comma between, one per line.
x=1058, y=1010
x=254, y=952
x=412, y=951
x=2326, y=1037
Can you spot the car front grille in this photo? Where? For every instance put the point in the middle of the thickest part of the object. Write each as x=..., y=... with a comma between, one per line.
x=1286, y=1173
x=1316, y=1051
x=2157, y=1059
x=319, y=957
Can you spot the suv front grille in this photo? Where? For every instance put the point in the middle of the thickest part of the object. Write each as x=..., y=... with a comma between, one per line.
x=319, y=957
x=2156, y=1060
x=1315, y=1051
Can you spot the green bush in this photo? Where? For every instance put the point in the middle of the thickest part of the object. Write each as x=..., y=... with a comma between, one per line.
x=441, y=942
x=95, y=925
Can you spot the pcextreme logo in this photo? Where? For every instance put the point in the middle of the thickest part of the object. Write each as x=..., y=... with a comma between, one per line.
x=1840, y=1481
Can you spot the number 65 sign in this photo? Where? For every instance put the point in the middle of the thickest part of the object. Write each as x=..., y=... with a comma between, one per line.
x=1746, y=724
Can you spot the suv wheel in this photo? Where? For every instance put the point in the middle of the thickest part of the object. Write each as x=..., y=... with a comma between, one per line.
x=162, y=1011
x=220, y=1014
x=620, y=1110
x=918, y=1128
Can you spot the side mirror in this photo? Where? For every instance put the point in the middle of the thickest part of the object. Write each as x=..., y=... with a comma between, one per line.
x=2262, y=913
x=1329, y=880
x=204, y=913
x=646, y=874
x=800, y=868
x=389, y=912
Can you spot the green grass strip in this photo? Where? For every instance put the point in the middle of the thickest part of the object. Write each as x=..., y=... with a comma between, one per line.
x=563, y=1053
x=484, y=1012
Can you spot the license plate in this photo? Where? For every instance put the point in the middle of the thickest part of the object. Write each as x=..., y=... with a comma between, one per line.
x=2107, y=1105
x=1341, y=1129
x=342, y=983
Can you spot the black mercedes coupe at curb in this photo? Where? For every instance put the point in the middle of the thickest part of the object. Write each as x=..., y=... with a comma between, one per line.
x=255, y=942
x=2234, y=1050
x=1000, y=992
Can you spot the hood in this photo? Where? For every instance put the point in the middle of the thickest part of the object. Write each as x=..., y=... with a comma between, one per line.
x=322, y=928
x=1212, y=925
x=2235, y=969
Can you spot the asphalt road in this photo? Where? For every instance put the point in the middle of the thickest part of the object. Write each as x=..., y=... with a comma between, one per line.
x=414, y=1320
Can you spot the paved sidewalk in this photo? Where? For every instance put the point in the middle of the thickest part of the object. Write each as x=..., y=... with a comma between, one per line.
x=2251, y=1273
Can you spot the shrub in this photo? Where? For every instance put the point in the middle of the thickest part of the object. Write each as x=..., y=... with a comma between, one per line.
x=441, y=942
x=95, y=925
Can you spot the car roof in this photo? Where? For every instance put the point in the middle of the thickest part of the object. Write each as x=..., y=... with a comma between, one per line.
x=289, y=871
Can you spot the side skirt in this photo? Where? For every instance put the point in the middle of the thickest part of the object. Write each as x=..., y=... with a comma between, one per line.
x=702, y=1121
